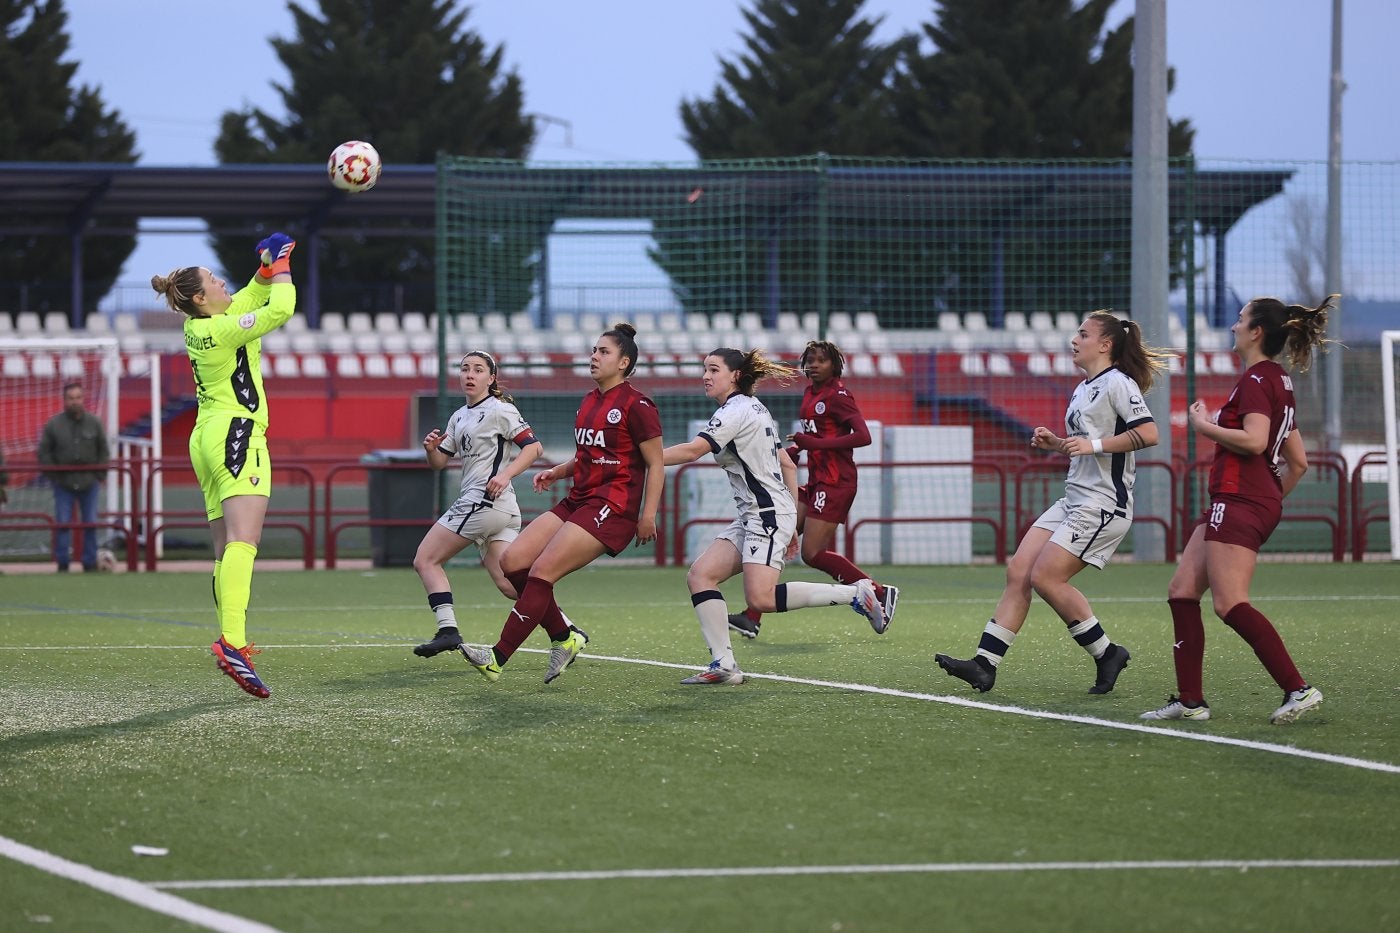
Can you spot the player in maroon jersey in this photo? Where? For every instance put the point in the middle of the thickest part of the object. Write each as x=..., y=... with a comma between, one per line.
x=618, y=476
x=832, y=428
x=1259, y=458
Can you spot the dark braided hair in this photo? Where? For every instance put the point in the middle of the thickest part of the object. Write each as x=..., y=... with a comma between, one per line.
x=832, y=351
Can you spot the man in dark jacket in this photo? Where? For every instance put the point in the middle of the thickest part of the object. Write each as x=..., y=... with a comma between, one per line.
x=75, y=437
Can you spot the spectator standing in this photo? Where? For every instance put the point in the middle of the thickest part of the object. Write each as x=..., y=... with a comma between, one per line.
x=75, y=438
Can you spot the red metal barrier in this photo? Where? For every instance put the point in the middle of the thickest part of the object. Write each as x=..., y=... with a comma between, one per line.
x=1363, y=515
x=123, y=521
x=196, y=518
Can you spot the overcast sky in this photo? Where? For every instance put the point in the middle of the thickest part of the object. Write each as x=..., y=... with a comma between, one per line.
x=607, y=76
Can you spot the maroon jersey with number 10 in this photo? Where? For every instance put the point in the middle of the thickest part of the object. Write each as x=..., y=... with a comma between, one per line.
x=830, y=412
x=1266, y=389
x=609, y=431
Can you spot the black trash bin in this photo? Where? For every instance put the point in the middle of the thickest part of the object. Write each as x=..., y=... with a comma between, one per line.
x=399, y=493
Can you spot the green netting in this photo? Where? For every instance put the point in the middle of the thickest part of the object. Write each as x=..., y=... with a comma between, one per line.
x=902, y=240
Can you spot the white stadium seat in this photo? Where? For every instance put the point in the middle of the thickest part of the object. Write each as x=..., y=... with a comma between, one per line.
x=313, y=365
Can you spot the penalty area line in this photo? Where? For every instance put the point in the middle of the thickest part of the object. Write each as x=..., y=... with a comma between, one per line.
x=1158, y=731
x=770, y=871
x=131, y=890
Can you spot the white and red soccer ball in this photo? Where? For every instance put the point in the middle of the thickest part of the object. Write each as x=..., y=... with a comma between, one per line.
x=354, y=166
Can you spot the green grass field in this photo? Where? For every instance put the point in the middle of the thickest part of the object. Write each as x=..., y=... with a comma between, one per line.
x=848, y=786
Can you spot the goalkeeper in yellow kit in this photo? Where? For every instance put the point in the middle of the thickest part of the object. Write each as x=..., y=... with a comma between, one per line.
x=228, y=446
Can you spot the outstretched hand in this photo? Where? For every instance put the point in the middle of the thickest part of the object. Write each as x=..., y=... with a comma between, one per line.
x=275, y=254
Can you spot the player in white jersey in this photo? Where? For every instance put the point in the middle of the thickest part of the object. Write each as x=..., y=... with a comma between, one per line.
x=486, y=512
x=745, y=442
x=1106, y=422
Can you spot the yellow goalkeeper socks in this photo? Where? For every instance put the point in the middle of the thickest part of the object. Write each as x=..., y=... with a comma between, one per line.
x=235, y=588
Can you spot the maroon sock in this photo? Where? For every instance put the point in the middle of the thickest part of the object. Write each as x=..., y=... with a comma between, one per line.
x=530, y=610
x=754, y=615
x=553, y=621
x=1190, y=650
x=1260, y=634
x=517, y=579
x=839, y=569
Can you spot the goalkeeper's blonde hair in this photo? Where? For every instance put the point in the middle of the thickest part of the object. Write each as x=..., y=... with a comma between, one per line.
x=180, y=288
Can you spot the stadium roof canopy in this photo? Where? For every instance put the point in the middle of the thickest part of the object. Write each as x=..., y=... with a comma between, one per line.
x=81, y=200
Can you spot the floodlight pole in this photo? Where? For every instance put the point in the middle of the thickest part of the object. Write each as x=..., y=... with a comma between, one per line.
x=1332, y=275
x=1150, y=256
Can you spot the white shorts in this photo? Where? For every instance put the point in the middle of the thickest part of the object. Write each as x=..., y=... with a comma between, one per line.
x=1089, y=532
x=761, y=541
x=480, y=523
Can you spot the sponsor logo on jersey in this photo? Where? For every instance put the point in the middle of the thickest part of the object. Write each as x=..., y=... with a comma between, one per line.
x=590, y=437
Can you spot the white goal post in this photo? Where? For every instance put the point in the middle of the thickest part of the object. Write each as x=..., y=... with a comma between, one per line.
x=1389, y=339
x=33, y=372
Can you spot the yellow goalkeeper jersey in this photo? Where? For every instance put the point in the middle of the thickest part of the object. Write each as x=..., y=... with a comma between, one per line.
x=226, y=351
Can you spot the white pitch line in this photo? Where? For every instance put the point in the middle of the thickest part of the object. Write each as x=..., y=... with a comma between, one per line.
x=1183, y=733
x=129, y=889
x=779, y=871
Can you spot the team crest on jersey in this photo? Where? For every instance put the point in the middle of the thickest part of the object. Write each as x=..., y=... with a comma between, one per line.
x=821, y=408
x=614, y=416
x=247, y=320
x=254, y=479
x=715, y=422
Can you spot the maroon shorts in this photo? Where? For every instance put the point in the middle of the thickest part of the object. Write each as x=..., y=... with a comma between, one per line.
x=827, y=503
x=1246, y=522
x=599, y=519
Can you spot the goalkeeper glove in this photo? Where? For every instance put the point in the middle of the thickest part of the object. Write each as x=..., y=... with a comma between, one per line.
x=275, y=251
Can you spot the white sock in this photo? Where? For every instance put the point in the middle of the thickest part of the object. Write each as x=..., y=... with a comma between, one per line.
x=996, y=641
x=446, y=617
x=801, y=595
x=1090, y=636
x=714, y=626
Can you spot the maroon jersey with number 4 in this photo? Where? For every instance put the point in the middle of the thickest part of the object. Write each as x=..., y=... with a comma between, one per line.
x=1266, y=389
x=609, y=431
x=831, y=412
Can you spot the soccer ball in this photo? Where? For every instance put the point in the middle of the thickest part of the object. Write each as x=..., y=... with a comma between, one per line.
x=354, y=166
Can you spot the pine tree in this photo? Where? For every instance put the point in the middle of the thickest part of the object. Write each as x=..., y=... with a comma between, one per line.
x=1027, y=79
x=812, y=80
x=43, y=118
x=405, y=75
x=1021, y=79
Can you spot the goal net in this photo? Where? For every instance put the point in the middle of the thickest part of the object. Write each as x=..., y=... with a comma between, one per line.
x=33, y=372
